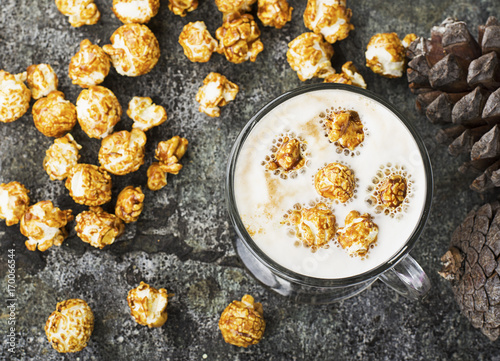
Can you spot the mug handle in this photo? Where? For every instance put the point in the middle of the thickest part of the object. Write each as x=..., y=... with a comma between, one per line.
x=407, y=278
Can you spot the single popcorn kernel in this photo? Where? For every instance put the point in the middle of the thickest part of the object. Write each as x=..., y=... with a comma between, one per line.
x=288, y=156
x=80, y=12
x=345, y=128
x=349, y=75
x=123, y=152
x=135, y=11
x=408, y=39
x=98, y=228
x=14, y=202
x=129, y=204
x=44, y=224
x=53, y=115
x=89, y=185
x=197, y=42
x=339, y=78
x=274, y=13
x=242, y=322
x=358, y=233
x=335, y=181
x=148, y=305
x=14, y=96
x=239, y=38
x=157, y=177
x=392, y=191
x=182, y=7
x=331, y=18
x=216, y=92
x=309, y=55
x=228, y=7
x=134, y=50
x=98, y=111
x=70, y=326
x=89, y=66
x=42, y=80
x=61, y=157
x=145, y=113
x=315, y=227
x=385, y=55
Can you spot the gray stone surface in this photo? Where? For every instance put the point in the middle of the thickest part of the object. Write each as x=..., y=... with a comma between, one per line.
x=182, y=240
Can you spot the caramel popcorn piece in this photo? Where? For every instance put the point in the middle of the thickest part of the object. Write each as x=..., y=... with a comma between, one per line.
x=358, y=233
x=79, y=12
x=349, y=75
x=339, y=78
x=14, y=201
x=42, y=80
x=315, y=226
x=129, y=204
x=145, y=113
x=182, y=7
x=123, y=152
x=335, y=181
x=197, y=42
x=53, y=115
x=89, y=66
x=98, y=111
x=288, y=156
x=309, y=55
x=331, y=18
x=385, y=55
x=134, y=50
x=408, y=39
x=216, y=92
x=44, y=224
x=70, y=326
x=239, y=38
x=157, y=177
x=135, y=11
x=148, y=305
x=14, y=96
x=89, y=185
x=274, y=13
x=345, y=128
x=98, y=228
x=228, y=7
x=392, y=191
x=242, y=322
x=61, y=157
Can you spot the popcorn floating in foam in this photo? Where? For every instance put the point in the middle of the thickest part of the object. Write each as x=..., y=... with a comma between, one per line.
x=79, y=12
x=345, y=129
x=330, y=18
x=135, y=11
x=197, y=42
x=14, y=202
x=14, y=96
x=42, y=80
x=89, y=66
x=148, y=305
x=289, y=155
x=216, y=92
x=335, y=181
x=358, y=233
x=385, y=55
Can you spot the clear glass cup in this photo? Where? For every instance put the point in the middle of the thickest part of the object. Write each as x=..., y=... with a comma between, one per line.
x=402, y=273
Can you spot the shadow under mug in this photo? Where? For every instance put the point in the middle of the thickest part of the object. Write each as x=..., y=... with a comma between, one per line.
x=402, y=273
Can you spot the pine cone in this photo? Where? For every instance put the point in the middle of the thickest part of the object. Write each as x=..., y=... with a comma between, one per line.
x=457, y=83
x=472, y=264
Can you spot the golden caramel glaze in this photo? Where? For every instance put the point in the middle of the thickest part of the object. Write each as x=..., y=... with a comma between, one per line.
x=345, y=128
x=79, y=12
x=328, y=18
x=89, y=185
x=129, y=204
x=148, y=305
x=392, y=191
x=53, y=115
x=228, y=7
x=157, y=177
x=14, y=202
x=335, y=181
x=89, y=66
x=197, y=43
x=135, y=11
x=14, y=96
x=61, y=156
x=358, y=233
x=182, y=7
x=216, y=91
x=42, y=80
x=275, y=13
x=98, y=228
x=386, y=55
x=123, y=152
x=145, y=113
x=315, y=226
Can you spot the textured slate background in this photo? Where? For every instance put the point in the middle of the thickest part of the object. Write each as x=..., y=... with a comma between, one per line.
x=182, y=240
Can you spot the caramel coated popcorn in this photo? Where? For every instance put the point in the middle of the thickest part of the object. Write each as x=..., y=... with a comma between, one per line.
x=98, y=111
x=358, y=233
x=216, y=92
x=345, y=128
x=148, y=305
x=44, y=225
x=392, y=191
x=129, y=204
x=349, y=75
x=331, y=18
x=309, y=55
x=89, y=66
x=134, y=50
x=61, y=157
x=145, y=113
x=315, y=226
x=42, y=80
x=14, y=96
x=228, y=7
x=288, y=156
x=14, y=202
x=53, y=115
x=89, y=185
x=197, y=42
x=274, y=13
x=98, y=228
x=123, y=152
x=79, y=12
x=242, y=322
x=135, y=11
x=157, y=177
x=408, y=39
x=239, y=38
x=70, y=326
x=385, y=55
x=335, y=181
x=182, y=7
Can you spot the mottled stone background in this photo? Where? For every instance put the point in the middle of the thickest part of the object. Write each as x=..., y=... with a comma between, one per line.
x=182, y=240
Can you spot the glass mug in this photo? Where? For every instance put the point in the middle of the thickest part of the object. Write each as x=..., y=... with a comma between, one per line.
x=401, y=272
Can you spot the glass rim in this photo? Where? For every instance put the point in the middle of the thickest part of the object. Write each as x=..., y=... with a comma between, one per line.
x=267, y=260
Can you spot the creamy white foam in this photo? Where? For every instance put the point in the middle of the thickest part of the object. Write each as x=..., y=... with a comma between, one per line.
x=263, y=198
